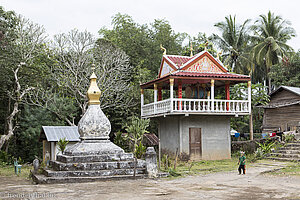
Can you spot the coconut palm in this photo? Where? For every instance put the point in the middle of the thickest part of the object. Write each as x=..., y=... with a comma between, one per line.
x=270, y=36
x=233, y=43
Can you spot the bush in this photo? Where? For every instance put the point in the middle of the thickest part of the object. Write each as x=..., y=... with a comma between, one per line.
x=62, y=144
x=140, y=150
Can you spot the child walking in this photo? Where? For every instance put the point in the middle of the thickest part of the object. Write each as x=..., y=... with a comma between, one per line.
x=242, y=162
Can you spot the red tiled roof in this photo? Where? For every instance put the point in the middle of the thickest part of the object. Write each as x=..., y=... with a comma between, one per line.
x=215, y=75
x=179, y=60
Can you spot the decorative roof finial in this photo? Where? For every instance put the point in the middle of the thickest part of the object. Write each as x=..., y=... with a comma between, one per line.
x=93, y=67
x=191, y=49
x=205, y=45
x=163, y=49
x=219, y=54
x=93, y=92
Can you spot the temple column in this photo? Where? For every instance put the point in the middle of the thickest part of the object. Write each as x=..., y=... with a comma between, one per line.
x=180, y=93
x=212, y=93
x=171, y=92
x=227, y=93
x=142, y=101
x=155, y=96
x=159, y=94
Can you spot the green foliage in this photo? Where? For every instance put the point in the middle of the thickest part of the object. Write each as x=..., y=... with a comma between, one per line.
x=62, y=144
x=266, y=147
x=25, y=143
x=271, y=33
x=140, y=150
x=258, y=96
x=121, y=141
x=289, y=137
x=166, y=161
x=288, y=72
x=136, y=130
x=234, y=43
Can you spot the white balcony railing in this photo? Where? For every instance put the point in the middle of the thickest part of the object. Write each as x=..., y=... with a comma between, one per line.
x=195, y=106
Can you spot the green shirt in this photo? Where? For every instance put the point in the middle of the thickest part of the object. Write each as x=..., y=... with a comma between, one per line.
x=242, y=160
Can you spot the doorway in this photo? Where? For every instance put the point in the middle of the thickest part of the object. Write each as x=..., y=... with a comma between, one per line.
x=195, y=143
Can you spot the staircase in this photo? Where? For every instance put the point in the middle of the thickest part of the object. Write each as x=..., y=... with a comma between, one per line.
x=71, y=169
x=290, y=152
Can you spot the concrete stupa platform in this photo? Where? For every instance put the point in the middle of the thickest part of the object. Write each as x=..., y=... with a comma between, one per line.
x=94, y=157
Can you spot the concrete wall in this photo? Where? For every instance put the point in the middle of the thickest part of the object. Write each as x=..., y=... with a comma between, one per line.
x=215, y=133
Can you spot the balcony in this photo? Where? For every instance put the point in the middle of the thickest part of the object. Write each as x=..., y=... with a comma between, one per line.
x=196, y=106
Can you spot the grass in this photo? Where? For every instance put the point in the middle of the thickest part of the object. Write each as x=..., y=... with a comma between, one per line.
x=9, y=170
x=205, y=167
x=292, y=169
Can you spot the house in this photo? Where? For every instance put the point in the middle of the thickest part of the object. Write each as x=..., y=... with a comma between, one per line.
x=50, y=135
x=282, y=113
x=190, y=118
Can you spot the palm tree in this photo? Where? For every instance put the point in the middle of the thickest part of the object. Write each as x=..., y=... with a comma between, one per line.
x=233, y=43
x=270, y=36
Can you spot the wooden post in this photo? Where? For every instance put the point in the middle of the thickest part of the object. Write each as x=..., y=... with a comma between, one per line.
x=250, y=112
x=159, y=94
x=227, y=93
x=212, y=93
x=155, y=97
x=171, y=92
x=142, y=101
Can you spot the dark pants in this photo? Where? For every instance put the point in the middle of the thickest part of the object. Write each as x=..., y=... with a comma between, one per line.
x=242, y=167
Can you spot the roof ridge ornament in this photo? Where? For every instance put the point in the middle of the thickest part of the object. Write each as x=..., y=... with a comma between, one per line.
x=219, y=54
x=191, y=49
x=163, y=49
x=205, y=45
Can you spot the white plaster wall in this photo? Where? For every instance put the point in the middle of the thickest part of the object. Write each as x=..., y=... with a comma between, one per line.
x=215, y=134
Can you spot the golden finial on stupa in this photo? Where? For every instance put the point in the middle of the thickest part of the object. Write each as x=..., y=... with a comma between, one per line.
x=205, y=45
x=191, y=49
x=93, y=92
x=219, y=54
x=163, y=49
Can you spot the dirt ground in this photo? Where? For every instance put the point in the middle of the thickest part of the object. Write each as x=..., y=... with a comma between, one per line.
x=223, y=185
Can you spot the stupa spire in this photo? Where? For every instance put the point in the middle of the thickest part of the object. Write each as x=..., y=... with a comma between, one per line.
x=93, y=92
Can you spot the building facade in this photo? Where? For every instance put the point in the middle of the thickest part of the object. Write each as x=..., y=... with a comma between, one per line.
x=191, y=119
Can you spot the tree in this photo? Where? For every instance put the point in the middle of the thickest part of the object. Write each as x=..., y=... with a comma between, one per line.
x=74, y=55
x=287, y=72
x=258, y=96
x=136, y=130
x=24, y=51
x=271, y=33
x=233, y=43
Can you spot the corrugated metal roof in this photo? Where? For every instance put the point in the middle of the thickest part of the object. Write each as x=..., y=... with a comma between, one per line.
x=295, y=90
x=55, y=133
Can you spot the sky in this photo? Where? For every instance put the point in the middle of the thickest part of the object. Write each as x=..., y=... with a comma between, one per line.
x=190, y=16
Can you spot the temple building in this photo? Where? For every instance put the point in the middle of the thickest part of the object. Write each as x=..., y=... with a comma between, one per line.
x=191, y=119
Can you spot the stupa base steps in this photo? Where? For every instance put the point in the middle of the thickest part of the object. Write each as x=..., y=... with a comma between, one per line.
x=42, y=179
x=128, y=164
x=95, y=158
x=88, y=168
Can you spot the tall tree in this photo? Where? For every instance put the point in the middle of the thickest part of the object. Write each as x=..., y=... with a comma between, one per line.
x=287, y=72
x=22, y=59
x=233, y=42
x=271, y=33
x=75, y=53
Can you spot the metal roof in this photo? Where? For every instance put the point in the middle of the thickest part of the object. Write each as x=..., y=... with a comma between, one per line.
x=55, y=133
x=295, y=90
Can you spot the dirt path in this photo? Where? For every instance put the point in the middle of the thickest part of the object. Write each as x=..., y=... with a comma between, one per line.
x=223, y=185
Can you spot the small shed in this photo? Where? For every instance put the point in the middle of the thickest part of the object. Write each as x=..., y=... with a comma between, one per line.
x=282, y=113
x=50, y=135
